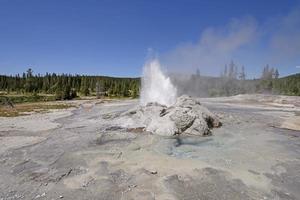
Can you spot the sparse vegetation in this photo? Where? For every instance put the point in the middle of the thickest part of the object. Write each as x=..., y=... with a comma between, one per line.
x=27, y=108
x=19, y=98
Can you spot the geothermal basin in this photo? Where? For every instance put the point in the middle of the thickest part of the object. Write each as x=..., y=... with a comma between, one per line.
x=80, y=153
x=161, y=147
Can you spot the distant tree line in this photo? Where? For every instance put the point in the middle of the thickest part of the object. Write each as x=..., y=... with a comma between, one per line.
x=233, y=80
x=67, y=86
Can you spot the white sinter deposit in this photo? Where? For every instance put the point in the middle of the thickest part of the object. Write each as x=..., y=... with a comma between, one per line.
x=162, y=113
x=186, y=116
x=156, y=87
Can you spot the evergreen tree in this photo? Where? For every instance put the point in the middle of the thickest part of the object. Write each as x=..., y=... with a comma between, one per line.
x=225, y=71
x=198, y=73
x=276, y=75
x=99, y=89
x=29, y=81
x=242, y=75
x=67, y=92
x=231, y=73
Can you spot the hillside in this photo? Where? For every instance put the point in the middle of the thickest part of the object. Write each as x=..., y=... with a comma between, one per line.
x=289, y=85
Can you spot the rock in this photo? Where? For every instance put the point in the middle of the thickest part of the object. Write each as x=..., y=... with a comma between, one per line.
x=40, y=195
x=132, y=186
x=153, y=172
x=199, y=127
x=186, y=116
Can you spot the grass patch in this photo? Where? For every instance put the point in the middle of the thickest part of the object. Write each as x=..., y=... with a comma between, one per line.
x=28, y=108
x=15, y=99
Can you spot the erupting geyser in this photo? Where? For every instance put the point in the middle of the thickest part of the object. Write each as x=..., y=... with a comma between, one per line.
x=162, y=113
x=156, y=87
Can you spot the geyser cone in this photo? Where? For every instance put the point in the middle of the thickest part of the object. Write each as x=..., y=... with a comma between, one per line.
x=186, y=116
x=156, y=86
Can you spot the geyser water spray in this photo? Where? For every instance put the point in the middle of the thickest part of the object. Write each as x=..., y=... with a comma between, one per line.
x=156, y=86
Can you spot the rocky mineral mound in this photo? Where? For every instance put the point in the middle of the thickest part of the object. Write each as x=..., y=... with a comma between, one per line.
x=186, y=116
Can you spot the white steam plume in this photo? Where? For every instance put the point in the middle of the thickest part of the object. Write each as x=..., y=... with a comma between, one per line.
x=274, y=40
x=215, y=48
x=156, y=86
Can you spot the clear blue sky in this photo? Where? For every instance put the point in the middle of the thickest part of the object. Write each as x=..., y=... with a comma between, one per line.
x=112, y=37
